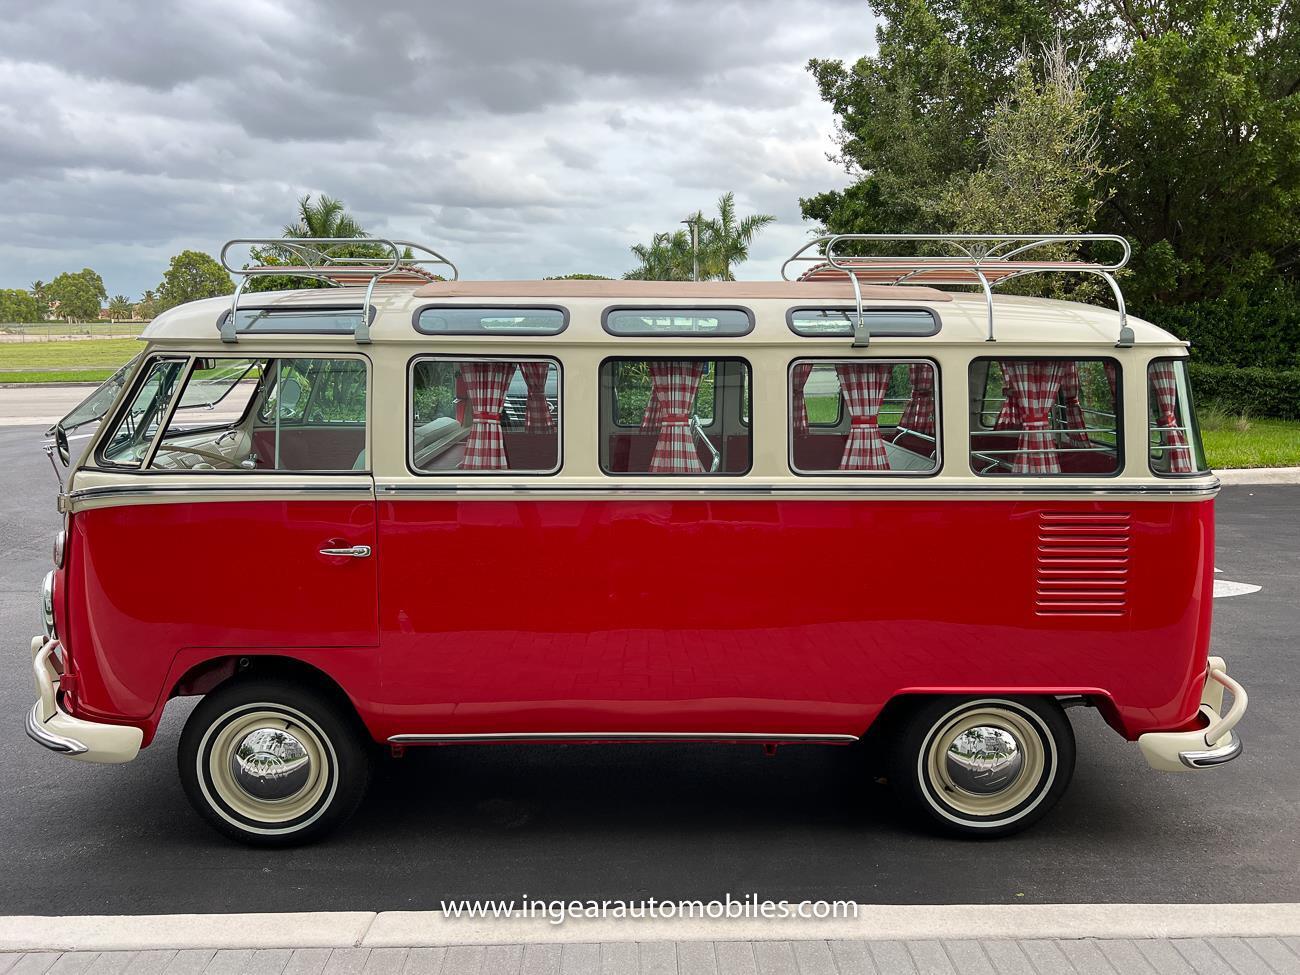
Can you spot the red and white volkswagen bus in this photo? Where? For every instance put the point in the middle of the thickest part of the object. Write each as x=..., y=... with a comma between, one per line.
x=405, y=511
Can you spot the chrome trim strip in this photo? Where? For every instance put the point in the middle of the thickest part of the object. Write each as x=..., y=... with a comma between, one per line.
x=518, y=736
x=113, y=490
x=1209, y=758
x=56, y=743
x=772, y=489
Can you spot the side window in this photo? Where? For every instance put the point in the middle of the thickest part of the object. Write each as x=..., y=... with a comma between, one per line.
x=1173, y=435
x=484, y=416
x=632, y=389
x=278, y=414
x=674, y=416
x=137, y=426
x=1045, y=417
x=858, y=416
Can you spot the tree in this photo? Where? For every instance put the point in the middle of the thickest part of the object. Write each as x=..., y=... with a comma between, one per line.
x=40, y=291
x=666, y=258
x=721, y=242
x=724, y=241
x=120, y=308
x=578, y=277
x=324, y=217
x=21, y=306
x=1197, y=108
x=147, y=308
x=190, y=276
x=327, y=217
x=77, y=294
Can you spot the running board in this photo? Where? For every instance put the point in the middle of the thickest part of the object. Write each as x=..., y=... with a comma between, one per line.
x=602, y=736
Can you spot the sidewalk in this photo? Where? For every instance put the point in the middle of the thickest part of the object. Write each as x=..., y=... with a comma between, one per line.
x=970, y=939
x=1195, y=956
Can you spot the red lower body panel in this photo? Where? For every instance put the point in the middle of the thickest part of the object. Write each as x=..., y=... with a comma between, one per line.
x=780, y=617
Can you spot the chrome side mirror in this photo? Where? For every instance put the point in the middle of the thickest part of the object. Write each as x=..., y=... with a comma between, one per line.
x=61, y=445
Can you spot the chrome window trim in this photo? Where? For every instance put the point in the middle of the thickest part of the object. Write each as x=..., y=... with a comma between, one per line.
x=492, y=306
x=852, y=311
x=1194, y=427
x=686, y=311
x=1121, y=437
x=938, y=416
x=409, y=417
x=109, y=467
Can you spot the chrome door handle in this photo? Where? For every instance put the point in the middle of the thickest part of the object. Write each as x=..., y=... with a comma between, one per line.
x=355, y=552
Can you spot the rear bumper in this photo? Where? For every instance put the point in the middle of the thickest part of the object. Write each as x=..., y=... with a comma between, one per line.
x=51, y=726
x=1216, y=743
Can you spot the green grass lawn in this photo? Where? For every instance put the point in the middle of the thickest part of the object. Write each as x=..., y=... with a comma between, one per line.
x=31, y=358
x=1245, y=442
x=56, y=376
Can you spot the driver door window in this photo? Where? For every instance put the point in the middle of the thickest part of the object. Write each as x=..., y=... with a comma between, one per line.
x=245, y=414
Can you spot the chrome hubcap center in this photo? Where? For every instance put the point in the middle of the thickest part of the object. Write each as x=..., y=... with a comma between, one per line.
x=270, y=764
x=984, y=760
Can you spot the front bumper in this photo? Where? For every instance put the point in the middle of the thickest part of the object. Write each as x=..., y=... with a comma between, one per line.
x=1216, y=743
x=51, y=726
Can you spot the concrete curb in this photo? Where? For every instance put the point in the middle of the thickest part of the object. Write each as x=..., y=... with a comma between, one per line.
x=1260, y=475
x=435, y=929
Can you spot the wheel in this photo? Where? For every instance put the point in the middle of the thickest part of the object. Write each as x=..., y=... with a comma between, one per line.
x=271, y=763
x=985, y=766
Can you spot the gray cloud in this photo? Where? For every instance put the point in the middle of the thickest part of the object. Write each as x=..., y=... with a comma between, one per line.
x=527, y=138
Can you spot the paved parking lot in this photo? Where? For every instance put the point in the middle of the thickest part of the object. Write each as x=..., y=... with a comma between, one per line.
x=663, y=821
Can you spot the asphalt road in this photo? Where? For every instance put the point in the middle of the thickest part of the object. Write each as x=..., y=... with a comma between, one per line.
x=661, y=821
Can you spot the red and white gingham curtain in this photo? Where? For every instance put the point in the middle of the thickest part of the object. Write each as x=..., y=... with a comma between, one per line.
x=1033, y=385
x=1071, y=397
x=674, y=385
x=798, y=380
x=864, y=386
x=1164, y=384
x=537, y=414
x=1007, y=419
x=485, y=386
x=918, y=415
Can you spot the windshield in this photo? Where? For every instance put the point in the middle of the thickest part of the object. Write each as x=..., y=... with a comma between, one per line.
x=94, y=406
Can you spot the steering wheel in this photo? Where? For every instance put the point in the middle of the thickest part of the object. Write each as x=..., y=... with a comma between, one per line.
x=211, y=455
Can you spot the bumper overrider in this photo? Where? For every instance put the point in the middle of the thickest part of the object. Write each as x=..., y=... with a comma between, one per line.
x=51, y=726
x=1216, y=743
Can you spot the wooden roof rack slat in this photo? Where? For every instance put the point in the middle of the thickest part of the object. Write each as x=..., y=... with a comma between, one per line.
x=319, y=260
x=987, y=260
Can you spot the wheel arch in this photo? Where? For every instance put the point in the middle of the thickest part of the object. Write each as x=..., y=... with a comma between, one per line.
x=207, y=675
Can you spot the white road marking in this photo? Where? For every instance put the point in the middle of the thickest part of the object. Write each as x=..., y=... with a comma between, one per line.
x=1222, y=587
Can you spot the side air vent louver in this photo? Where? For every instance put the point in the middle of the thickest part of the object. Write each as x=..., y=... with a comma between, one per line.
x=1083, y=564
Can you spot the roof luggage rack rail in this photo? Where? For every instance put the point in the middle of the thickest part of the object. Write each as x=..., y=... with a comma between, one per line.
x=318, y=259
x=987, y=260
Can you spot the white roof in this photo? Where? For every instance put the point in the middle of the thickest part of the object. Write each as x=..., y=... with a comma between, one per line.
x=963, y=316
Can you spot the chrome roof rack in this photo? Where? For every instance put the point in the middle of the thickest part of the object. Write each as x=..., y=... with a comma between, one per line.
x=987, y=260
x=318, y=258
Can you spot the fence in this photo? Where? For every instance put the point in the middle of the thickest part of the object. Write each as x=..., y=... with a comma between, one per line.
x=62, y=331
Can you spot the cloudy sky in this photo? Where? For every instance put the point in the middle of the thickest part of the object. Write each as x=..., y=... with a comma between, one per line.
x=521, y=138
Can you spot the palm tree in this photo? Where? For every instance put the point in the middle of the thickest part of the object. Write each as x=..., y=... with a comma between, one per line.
x=666, y=258
x=723, y=241
x=327, y=217
x=119, y=308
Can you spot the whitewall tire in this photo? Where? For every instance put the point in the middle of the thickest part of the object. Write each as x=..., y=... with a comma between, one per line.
x=271, y=763
x=983, y=766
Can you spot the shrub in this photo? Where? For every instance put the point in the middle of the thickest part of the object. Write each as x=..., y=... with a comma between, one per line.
x=1253, y=391
x=1259, y=326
